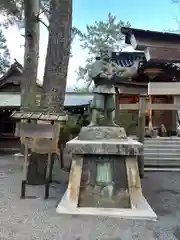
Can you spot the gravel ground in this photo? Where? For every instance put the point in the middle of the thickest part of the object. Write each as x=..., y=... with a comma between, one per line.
x=35, y=218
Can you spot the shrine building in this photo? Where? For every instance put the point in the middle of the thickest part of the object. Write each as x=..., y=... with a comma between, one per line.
x=154, y=66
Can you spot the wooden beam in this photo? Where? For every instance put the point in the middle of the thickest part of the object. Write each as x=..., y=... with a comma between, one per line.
x=134, y=42
x=132, y=90
x=163, y=106
x=140, y=43
x=129, y=106
x=149, y=106
x=29, y=130
x=163, y=55
x=165, y=88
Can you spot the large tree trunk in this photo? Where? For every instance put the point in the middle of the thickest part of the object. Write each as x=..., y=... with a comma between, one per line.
x=31, y=55
x=57, y=60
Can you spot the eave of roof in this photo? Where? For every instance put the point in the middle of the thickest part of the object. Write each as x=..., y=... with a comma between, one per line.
x=155, y=35
x=14, y=99
x=15, y=67
x=126, y=59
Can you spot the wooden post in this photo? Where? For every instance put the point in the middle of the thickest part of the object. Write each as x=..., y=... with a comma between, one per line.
x=175, y=114
x=141, y=131
x=150, y=112
x=48, y=175
x=48, y=134
x=24, y=181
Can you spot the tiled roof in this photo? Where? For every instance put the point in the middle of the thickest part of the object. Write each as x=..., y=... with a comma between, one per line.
x=77, y=100
x=126, y=59
x=9, y=99
x=151, y=35
x=14, y=99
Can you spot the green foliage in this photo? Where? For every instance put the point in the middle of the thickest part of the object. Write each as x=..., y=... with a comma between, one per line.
x=129, y=121
x=72, y=128
x=11, y=10
x=45, y=6
x=65, y=135
x=101, y=35
x=104, y=34
x=176, y=1
x=14, y=14
x=4, y=54
x=10, y=7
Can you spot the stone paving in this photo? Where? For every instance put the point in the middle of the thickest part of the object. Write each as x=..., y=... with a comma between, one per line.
x=33, y=219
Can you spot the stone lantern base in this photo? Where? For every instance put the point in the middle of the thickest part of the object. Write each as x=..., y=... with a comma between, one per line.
x=104, y=178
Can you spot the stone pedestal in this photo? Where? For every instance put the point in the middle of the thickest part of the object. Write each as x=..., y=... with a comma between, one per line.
x=104, y=178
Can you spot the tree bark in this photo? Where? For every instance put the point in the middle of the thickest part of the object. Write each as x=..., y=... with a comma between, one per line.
x=31, y=55
x=57, y=60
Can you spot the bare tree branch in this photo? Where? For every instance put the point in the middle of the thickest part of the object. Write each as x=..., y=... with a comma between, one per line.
x=41, y=21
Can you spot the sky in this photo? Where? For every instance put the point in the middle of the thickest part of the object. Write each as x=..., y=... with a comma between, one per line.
x=159, y=15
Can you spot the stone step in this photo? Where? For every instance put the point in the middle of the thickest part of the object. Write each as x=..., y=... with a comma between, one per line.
x=164, y=138
x=162, y=155
x=162, y=162
x=163, y=158
x=162, y=145
x=161, y=169
x=158, y=146
x=161, y=152
x=158, y=138
x=162, y=148
x=162, y=142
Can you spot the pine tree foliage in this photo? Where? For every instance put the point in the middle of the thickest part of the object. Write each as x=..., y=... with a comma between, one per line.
x=13, y=13
x=4, y=54
x=11, y=10
x=101, y=35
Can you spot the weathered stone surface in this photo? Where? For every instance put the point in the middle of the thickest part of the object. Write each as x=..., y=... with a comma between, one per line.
x=104, y=179
x=97, y=194
x=126, y=147
x=104, y=140
x=102, y=132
